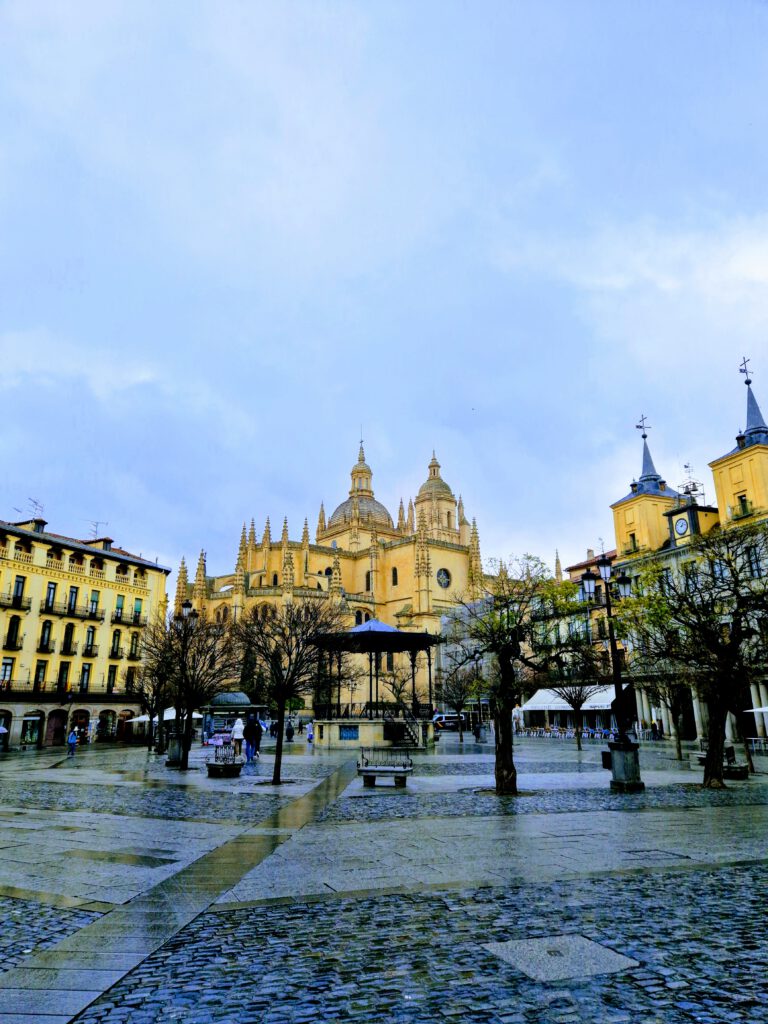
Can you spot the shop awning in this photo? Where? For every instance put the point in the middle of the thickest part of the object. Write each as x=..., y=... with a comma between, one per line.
x=548, y=700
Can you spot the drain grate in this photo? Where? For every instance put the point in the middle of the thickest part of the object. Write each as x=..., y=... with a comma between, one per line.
x=560, y=957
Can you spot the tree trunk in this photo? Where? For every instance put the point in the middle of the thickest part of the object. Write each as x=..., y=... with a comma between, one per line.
x=678, y=721
x=279, y=748
x=713, y=766
x=150, y=733
x=186, y=741
x=506, y=773
x=578, y=728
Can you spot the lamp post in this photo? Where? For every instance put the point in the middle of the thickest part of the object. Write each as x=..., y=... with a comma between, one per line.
x=625, y=761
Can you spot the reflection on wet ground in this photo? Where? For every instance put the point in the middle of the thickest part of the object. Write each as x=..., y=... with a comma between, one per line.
x=190, y=900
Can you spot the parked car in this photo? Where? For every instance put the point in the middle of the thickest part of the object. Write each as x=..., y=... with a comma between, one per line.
x=449, y=721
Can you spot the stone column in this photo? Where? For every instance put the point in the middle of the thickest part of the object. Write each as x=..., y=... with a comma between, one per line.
x=14, y=733
x=666, y=721
x=764, y=704
x=647, y=711
x=757, y=703
x=729, y=728
x=699, y=718
x=639, y=705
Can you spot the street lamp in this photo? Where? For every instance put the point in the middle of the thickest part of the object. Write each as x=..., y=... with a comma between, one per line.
x=625, y=762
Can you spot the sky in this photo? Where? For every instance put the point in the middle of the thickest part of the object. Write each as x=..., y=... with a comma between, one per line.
x=235, y=234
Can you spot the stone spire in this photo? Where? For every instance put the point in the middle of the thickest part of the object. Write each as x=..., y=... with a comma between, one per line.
x=422, y=567
x=305, y=535
x=289, y=571
x=239, y=587
x=558, y=567
x=462, y=516
x=475, y=561
x=335, y=586
x=410, y=522
x=241, y=552
x=284, y=536
x=252, y=535
x=321, y=527
x=182, y=585
x=200, y=590
x=266, y=538
x=401, y=517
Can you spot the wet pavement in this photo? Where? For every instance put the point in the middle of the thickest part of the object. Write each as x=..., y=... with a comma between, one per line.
x=138, y=894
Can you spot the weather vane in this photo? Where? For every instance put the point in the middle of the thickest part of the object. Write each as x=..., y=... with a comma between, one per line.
x=643, y=425
x=744, y=368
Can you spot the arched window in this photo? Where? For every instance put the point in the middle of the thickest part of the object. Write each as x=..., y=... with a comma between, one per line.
x=274, y=579
x=116, y=641
x=134, y=643
x=367, y=617
x=368, y=580
x=45, y=633
x=69, y=633
x=394, y=577
x=319, y=586
x=329, y=571
x=358, y=618
x=224, y=613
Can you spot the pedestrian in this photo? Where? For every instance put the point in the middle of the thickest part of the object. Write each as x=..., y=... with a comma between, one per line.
x=289, y=731
x=300, y=729
x=310, y=733
x=654, y=731
x=71, y=743
x=476, y=731
x=237, y=736
x=252, y=737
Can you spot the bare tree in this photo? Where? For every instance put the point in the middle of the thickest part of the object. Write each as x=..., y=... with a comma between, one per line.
x=707, y=619
x=152, y=680
x=203, y=666
x=459, y=685
x=498, y=621
x=281, y=642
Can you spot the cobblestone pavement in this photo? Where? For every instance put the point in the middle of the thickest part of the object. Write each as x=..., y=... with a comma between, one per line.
x=234, y=903
x=470, y=803
x=417, y=959
x=29, y=926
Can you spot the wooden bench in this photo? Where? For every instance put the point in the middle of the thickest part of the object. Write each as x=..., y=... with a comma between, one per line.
x=386, y=762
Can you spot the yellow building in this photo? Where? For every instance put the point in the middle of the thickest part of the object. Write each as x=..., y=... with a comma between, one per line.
x=406, y=573
x=71, y=616
x=654, y=522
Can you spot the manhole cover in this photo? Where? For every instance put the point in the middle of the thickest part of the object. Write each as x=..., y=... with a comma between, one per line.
x=560, y=957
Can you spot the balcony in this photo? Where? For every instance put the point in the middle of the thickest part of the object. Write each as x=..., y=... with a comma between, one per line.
x=90, y=650
x=743, y=510
x=22, y=604
x=117, y=652
x=46, y=648
x=13, y=643
x=84, y=611
x=69, y=649
x=98, y=574
x=123, y=617
x=53, y=693
x=25, y=557
x=134, y=656
x=54, y=608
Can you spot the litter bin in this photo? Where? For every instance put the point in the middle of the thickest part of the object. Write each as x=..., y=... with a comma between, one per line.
x=607, y=759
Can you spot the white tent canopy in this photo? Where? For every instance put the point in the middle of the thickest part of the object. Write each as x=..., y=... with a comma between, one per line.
x=548, y=700
x=169, y=715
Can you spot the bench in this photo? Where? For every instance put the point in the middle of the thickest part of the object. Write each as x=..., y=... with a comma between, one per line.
x=225, y=765
x=387, y=762
x=732, y=769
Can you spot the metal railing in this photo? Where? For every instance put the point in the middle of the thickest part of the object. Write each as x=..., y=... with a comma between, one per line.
x=13, y=643
x=22, y=604
x=116, y=652
x=90, y=650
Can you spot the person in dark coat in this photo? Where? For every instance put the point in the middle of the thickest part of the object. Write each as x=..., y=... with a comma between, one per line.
x=252, y=737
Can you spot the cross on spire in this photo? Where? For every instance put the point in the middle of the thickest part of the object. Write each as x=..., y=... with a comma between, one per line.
x=643, y=425
x=744, y=368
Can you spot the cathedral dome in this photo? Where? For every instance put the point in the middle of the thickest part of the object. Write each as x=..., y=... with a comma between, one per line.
x=434, y=484
x=371, y=511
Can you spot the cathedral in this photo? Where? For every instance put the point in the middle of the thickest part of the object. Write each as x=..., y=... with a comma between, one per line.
x=406, y=574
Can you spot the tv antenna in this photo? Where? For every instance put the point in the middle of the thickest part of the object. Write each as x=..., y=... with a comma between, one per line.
x=36, y=508
x=96, y=525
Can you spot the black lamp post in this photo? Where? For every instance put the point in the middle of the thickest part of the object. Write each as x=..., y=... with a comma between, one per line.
x=625, y=762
